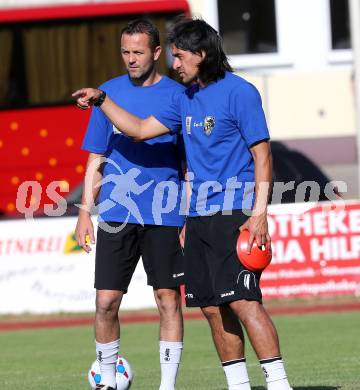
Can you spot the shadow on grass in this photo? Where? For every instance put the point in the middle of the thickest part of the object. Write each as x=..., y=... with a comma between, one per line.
x=318, y=388
x=304, y=388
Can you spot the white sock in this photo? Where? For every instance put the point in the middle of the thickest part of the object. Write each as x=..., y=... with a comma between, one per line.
x=106, y=355
x=275, y=375
x=236, y=374
x=170, y=355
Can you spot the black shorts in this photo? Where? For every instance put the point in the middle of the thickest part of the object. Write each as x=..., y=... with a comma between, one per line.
x=213, y=273
x=117, y=255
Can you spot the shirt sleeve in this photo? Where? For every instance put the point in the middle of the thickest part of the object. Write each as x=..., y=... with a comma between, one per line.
x=246, y=108
x=97, y=135
x=170, y=115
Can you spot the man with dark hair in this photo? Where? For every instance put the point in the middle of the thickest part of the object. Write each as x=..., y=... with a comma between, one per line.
x=128, y=175
x=227, y=149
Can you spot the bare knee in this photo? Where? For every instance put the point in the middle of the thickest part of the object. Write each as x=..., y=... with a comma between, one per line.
x=108, y=302
x=168, y=300
x=246, y=310
x=222, y=317
x=211, y=313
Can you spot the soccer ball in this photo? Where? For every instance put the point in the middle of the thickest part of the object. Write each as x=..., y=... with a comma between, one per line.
x=258, y=258
x=124, y=374
x=94, y=375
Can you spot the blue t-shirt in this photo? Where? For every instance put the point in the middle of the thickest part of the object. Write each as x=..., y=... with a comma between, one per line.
x=141, y=180
x=219, y=124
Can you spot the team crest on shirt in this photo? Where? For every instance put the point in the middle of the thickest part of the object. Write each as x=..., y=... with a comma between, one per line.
x=209, y=124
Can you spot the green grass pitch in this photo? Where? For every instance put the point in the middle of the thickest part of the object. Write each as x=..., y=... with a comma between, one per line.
x=322, y=352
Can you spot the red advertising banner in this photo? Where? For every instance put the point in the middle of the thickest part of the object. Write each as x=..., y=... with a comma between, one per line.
x=316, y=250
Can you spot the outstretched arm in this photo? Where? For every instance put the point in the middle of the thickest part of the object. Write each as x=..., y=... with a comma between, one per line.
x=131, y=125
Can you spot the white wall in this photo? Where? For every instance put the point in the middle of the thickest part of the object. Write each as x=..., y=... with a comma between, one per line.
x=304, y=38
x=306, y=87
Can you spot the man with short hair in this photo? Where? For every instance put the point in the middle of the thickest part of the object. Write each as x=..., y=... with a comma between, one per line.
x=130, y=176
x=227, y=150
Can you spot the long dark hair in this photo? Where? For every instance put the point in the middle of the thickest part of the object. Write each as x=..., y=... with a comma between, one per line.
x=196, y=35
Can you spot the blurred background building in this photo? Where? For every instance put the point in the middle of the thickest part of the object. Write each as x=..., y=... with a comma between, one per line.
x=298, y=53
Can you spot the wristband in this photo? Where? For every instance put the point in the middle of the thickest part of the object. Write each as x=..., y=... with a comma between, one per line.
x=100, y=99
